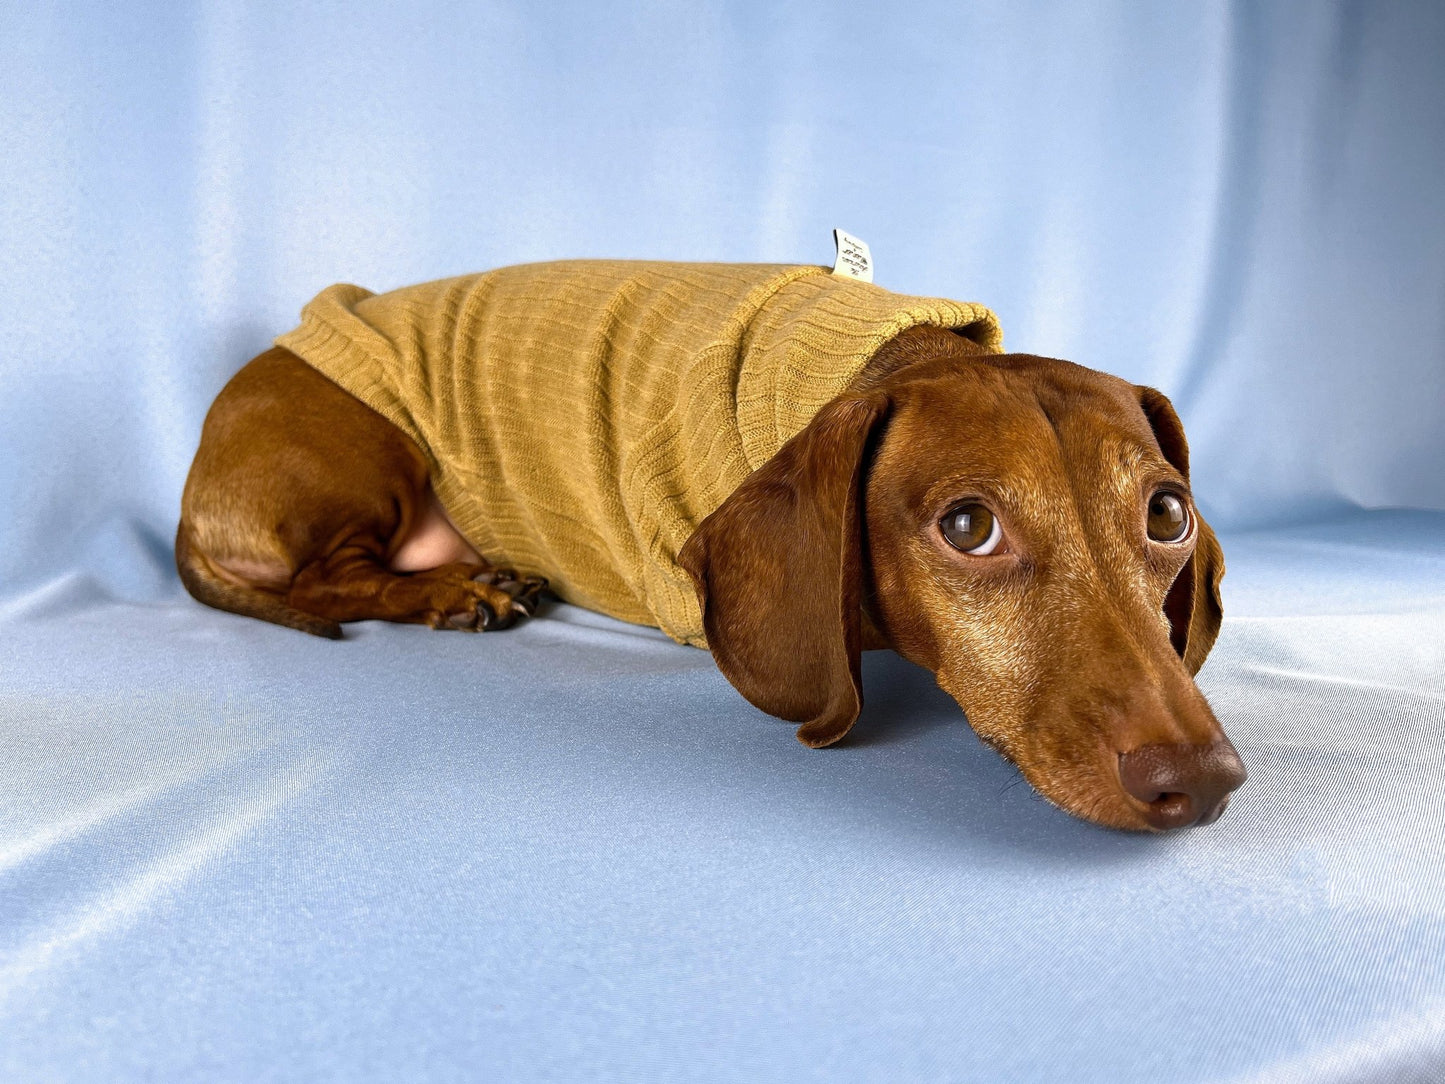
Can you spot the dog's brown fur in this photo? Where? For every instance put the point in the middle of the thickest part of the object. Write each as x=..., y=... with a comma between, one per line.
x=1068, y=653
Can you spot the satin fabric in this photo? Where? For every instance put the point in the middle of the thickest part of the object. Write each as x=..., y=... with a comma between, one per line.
x=571, y=851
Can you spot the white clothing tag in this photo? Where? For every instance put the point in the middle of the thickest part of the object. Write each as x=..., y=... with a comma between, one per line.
x=853, y=261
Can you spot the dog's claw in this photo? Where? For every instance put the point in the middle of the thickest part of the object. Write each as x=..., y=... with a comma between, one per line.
x=486, y=617
x=525, y=593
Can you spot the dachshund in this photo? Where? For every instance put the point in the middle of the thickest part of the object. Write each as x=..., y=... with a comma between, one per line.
x=1021, y=526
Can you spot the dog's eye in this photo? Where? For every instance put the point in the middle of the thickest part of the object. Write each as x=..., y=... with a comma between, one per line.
x=973, y=529
x=1168, y=517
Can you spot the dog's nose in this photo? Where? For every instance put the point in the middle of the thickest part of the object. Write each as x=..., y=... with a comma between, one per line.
x=1182, y=784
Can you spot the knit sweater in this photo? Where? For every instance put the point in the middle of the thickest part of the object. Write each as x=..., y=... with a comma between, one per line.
x=581, y=418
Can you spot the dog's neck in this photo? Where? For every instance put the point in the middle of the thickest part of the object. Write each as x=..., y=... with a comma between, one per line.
x=922, y=343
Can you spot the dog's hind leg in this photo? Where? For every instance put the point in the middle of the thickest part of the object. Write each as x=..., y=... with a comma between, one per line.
x=354, y=584
x=306, y=508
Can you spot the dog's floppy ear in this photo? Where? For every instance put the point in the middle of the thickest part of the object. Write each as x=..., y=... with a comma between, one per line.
x=778, y=569
x=1193, y=605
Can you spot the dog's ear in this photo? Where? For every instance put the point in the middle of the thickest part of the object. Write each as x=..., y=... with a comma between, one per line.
x=1193, y=605
x=778, y=569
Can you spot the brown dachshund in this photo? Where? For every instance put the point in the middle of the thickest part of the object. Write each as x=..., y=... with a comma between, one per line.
x=1022, y=527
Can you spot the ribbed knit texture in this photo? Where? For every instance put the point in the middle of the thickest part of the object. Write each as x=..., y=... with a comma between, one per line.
x=581, y=418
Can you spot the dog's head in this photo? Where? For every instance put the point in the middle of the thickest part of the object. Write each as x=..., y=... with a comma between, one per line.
x=1024, y=528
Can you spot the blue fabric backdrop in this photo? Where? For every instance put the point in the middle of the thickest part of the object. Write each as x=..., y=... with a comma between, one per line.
x=1239, y=205
x=230, y=852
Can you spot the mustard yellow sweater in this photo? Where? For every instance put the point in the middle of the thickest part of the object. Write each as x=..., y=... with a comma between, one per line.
x=581, y=418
